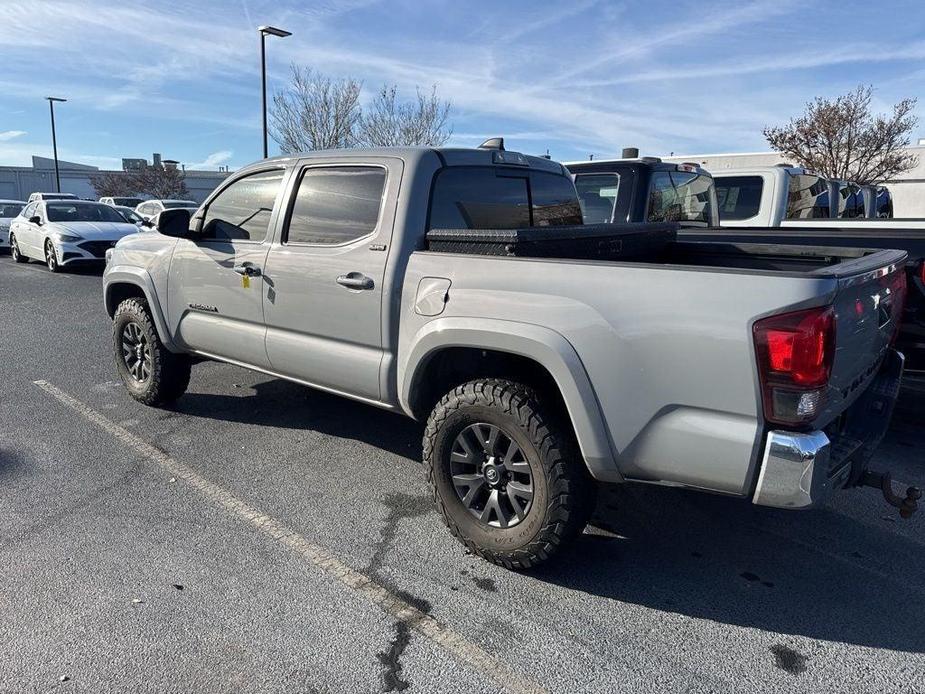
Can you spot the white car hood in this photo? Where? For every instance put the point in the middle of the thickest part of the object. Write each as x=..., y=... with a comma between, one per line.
x=93, y=231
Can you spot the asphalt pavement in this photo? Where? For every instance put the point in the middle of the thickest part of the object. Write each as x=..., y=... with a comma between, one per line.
x=263, y=537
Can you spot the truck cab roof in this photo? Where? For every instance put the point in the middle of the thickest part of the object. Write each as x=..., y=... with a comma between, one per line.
x=448, y=156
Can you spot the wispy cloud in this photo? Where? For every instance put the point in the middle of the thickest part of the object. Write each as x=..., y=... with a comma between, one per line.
x=213, y=160
x=8, y=135
x=588, y=76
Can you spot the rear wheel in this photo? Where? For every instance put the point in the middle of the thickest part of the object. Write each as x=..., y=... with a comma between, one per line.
x=15, y=252
x=505, y=477
x=152, y=374
x=51, y=257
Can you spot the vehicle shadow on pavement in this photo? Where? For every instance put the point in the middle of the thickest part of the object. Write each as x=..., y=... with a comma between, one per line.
x=280, y=403
x=820, y=574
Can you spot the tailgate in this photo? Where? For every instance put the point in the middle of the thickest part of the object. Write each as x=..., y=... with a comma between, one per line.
x=868, y=308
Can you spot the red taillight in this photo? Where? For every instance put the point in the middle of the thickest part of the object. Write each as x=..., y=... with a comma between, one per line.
x=795, y=355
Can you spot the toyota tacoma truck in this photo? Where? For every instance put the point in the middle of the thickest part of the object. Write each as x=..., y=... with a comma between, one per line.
x=756, y=372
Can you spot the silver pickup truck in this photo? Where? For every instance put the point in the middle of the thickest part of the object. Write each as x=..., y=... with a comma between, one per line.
x=759, y=372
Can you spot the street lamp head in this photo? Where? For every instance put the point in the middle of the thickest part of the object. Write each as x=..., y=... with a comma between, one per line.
x=55, y=98
x=273, y=31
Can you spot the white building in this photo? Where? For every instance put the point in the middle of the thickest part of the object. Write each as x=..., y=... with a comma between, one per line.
x=18, y=182
x=908, y=189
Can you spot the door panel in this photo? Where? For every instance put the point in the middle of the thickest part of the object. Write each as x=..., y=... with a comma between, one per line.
x=216, y=283
x=209, y=308
x=323, y=301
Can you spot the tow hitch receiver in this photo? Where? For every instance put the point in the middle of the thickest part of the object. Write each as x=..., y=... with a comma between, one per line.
x=881, y=480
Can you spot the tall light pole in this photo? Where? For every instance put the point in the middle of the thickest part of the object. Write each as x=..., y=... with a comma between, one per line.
x=272, y=31
x=54, y=139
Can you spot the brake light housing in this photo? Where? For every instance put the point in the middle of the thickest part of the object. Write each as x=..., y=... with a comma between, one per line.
x=795, y=354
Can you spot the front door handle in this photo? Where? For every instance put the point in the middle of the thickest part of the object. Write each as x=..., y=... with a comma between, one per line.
x=355, y=280
x=247, y=269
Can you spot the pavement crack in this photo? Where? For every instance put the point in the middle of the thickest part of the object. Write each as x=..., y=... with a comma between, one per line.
x=391, y=660
x=400, y=506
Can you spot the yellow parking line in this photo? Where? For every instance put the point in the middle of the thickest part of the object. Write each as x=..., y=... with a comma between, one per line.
x=439, y=633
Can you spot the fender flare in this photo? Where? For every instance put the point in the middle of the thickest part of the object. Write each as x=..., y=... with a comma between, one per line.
x=543, y=345
x=138, y=277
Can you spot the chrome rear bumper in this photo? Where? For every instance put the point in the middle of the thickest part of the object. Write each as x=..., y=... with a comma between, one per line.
x=794, y=471
x=799, y=470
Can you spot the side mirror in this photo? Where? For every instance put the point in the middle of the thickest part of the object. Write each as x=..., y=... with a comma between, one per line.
x=176, y=222
x=35, y=219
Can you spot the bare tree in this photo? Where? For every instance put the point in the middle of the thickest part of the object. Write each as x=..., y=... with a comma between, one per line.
x=840, y=138
x=315, y=112
x=114, y=184
x=388, y=122
x=161, y=182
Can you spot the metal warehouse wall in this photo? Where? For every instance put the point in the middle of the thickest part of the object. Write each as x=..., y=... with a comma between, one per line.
x=18, y=182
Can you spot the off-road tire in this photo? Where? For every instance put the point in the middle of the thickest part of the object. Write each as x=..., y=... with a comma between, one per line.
x=15, y=252
x=563, y=490
x=169, y=372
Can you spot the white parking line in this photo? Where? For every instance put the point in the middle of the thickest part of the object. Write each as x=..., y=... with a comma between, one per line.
x=442, y=635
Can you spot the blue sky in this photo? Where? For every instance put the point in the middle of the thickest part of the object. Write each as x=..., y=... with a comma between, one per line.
x=182, y=78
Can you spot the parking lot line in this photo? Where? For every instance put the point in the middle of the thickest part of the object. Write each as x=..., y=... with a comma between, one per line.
x=439, y=633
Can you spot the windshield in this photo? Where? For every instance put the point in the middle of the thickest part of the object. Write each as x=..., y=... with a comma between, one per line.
x=128, y=202
x=8, y=209
x=82, y=212
x=680, y=196
x=173, y=204
x=129, y=214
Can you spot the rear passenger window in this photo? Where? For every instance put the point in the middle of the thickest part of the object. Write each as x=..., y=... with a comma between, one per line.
x=739, y=197
x=242, y=211
x=851, y=204
x=336, y=205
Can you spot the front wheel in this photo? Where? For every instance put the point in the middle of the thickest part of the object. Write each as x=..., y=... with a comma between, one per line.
x=151, y=373
x=15, y=252
x=504, y=476
x=51, y=257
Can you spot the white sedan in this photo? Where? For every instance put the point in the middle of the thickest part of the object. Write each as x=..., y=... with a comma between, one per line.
x=8, y=210
x=62, y=232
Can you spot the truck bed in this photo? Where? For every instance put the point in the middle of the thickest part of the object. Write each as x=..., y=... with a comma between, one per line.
x=903, y=234
x=667, y=339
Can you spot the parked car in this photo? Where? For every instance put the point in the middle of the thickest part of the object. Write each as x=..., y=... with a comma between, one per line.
x=130, y=214
x=63, y=232
x=52, y=196
x=151, y=208
x=644, y=189
x=8, y=210
x=743, y=370
x=122, y=202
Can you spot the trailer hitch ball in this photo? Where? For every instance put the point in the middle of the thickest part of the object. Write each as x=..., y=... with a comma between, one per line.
x=907, y=505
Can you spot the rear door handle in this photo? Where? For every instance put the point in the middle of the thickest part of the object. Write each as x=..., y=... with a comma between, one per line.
x=355, y=280
x=247, y=269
